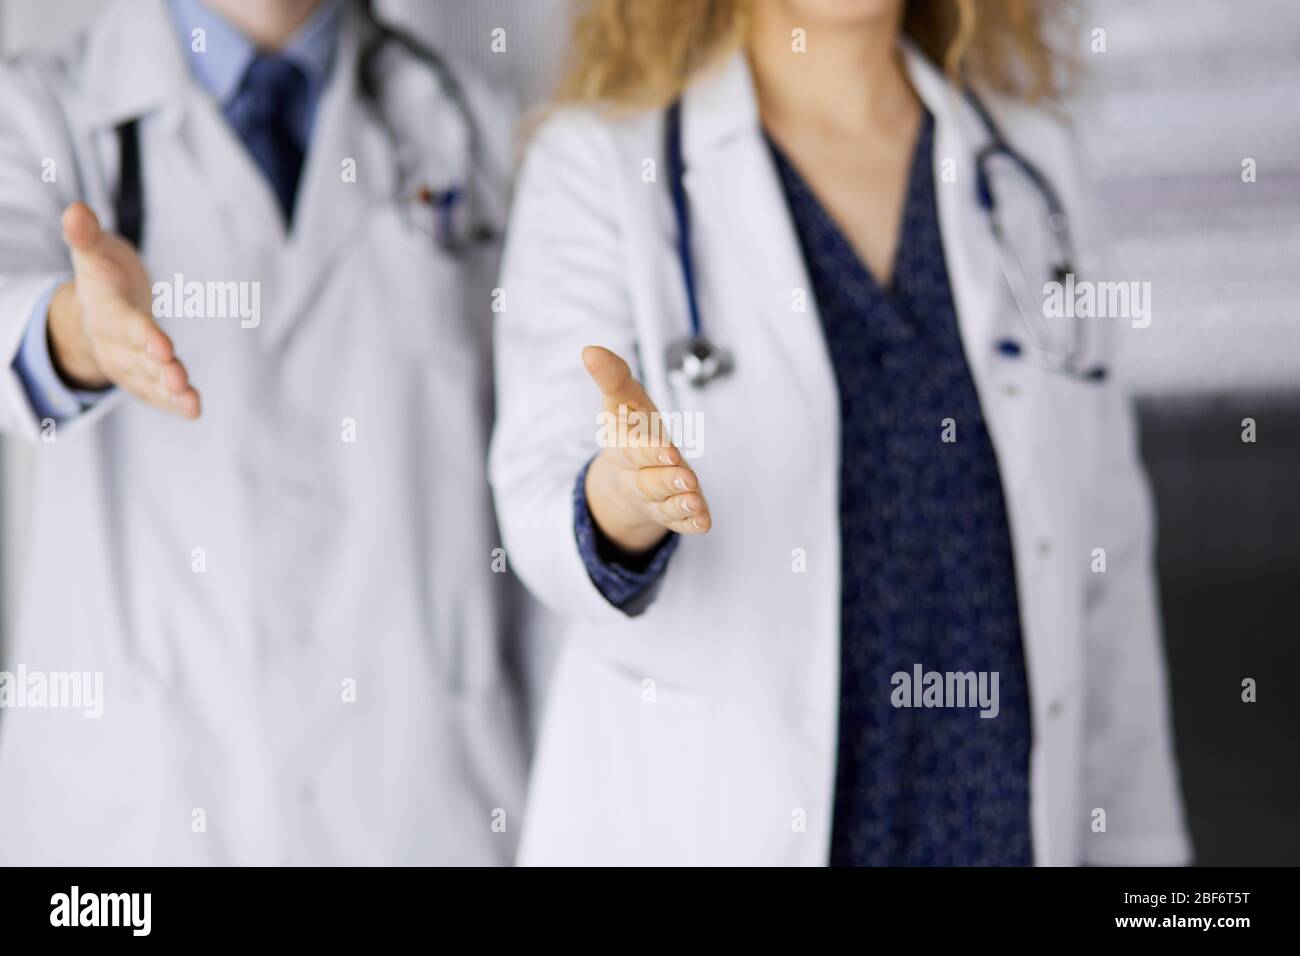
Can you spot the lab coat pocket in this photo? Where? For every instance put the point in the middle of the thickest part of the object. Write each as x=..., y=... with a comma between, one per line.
x=1062, y=413
x=424, y=291
x=627, y=760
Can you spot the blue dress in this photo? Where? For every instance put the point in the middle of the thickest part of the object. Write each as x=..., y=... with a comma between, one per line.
x=927, y=573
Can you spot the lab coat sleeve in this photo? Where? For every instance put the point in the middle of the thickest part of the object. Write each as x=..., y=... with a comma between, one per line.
x=38, y=179
x=49, y=395
x=562, y=288
x=629, y=585
x=1129, y=767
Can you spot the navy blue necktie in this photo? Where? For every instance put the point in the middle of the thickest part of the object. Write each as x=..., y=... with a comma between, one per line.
x=270, y=95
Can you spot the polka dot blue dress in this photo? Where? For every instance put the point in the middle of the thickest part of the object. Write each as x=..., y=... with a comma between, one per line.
x=927, y=574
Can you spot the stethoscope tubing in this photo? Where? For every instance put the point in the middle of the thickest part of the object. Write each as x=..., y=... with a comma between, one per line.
x=129, y=199
x=997, y=145
x=682, y=213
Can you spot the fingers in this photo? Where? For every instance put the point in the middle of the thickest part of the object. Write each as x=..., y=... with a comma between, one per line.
x=645, y=445
x=106, y=268
x=129, y=347
x=674, y=499
x=163, y=383
x=188, y=404
x=687, y=513
x=94, y=268
x=615, y=380
x=127, y=326
x=121, y=361
x=661, y=483
x=640, y=483
x=170, y=391
x=81, y=228
x=694, y=524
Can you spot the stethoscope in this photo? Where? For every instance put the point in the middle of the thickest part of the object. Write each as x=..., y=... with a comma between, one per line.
x=696, y=360
x=458, y=241
x=1064, y=357
x=478, y=231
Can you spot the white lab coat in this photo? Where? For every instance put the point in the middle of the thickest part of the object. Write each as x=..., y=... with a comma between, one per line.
x=704, y=730
x=237, y=579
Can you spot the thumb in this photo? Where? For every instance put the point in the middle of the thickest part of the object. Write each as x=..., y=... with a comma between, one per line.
x=614, y=379
x=81, y=229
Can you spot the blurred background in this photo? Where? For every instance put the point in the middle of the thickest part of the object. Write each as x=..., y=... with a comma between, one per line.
x=1185, y=91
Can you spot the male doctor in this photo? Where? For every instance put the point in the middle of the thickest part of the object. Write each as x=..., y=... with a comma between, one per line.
x=264, y=626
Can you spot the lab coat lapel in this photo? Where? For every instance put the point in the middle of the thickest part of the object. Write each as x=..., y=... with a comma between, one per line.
x=191, y=156
x=136, y=33
x=209, y=160
x=974, y=272
x=741, y=215
x=979, y=291
x=224, y=170
x=1013, y=411
x=330, y=208
x=349, y=170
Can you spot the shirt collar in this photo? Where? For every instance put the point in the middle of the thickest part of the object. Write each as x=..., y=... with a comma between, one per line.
x=222, y=59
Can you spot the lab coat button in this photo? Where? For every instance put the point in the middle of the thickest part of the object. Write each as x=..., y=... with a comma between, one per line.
x=1044, y=547
x=1011, y=391
x=1055, y=708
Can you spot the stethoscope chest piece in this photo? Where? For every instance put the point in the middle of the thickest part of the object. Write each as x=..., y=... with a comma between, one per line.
x=697, y=361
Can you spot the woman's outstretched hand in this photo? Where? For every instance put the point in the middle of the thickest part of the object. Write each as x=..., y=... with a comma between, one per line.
x=638, y=491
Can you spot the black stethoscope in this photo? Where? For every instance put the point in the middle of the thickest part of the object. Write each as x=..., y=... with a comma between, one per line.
x=129, y=199
x=697, y=360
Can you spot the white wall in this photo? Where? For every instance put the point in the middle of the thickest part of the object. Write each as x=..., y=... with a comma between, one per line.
x=1186, y=90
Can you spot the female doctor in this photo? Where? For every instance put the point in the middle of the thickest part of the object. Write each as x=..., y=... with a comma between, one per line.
x=893, y=604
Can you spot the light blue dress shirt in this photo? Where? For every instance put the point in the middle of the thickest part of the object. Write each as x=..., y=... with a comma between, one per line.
x=218, y=67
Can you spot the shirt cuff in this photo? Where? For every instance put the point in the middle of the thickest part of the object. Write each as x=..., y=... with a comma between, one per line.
x=49, y=395
x=626, y=581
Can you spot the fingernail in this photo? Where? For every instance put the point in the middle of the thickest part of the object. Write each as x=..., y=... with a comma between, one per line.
x=687, y=506
x=697, y=524
x=665, y=458
x=680, y=484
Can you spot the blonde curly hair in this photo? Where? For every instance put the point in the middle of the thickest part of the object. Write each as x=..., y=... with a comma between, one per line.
x=643, y=53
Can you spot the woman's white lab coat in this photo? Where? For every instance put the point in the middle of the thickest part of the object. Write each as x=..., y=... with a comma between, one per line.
x=704, y=730
x=300, y=635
